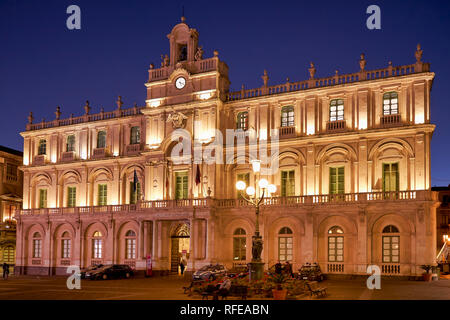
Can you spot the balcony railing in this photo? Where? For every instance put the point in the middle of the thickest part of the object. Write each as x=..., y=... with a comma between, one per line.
x=296, y=201
x=391, y=120
x=133, y=149
x=335, y=268
x=68, y=156
x=390, y=71
x=39, y=160
x=390, y=268
x=205, y=65
x=287, y=132
x=336, y=126
x=119, y=113
x=99, y=153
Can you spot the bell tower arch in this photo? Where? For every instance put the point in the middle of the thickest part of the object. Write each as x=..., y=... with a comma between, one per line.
x=183, y=43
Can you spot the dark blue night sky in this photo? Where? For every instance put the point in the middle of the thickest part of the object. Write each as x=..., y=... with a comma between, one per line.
x=43, y=64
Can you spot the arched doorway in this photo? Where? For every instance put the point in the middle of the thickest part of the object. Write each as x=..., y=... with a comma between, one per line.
x=180, y=246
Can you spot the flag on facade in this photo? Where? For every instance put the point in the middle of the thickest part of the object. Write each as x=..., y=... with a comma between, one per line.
x=135, y=181
x=198, y=175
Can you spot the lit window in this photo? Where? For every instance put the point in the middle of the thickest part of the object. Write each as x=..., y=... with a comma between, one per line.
x=101, y=139
x=239, y=245
x=390, y=103
x=391, y=244
x=97, y=245
x=65, y=245
x=337, y=110
x=9, y=255
x=285, y=244
x=242, y=121
x=135, y=137
x=335, y=245
x=70, y=143
x=287, y=116
x=37, y=245
x=42, y=149
x=390, y=177
x=130, y=244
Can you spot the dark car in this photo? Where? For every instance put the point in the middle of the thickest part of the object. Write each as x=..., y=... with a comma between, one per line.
x=114, y=271
x=209, y=272
x=89, y=269
x=310, y=272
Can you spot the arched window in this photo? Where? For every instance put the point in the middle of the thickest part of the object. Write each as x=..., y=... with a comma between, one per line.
x=130, y=244
x=335, y=244
x=42, y=147
x=101, y=139
x=9, y=254
x=391, y=244
x=285, y=244
x=37, y=245
x=65, y=245
x=239, y=245
x=390, y=103
x=70, y=145
x=97, y=243
x=242, y=120
x=287, y=116
x=135, y=135
x=336, y=110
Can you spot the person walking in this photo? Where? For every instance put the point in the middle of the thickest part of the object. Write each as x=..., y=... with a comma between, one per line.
x=183, y=264
x=5, y=271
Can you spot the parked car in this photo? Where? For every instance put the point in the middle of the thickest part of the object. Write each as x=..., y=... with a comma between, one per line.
x=310, y=272
x=113, y=271
x=89, y=269
x=210, y=272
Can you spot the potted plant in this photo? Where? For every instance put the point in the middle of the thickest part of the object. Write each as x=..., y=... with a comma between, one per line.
x=278, y=292
x=427, y=275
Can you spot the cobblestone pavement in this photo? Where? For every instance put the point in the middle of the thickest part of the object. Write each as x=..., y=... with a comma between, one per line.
x=170, y=288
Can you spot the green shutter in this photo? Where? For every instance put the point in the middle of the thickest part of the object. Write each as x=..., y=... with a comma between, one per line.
x=181, y=185
x=243, y=177
x=135, y=196
x=71, y=196
x=337, y=180
x=390, y=177
x=43, y=198
x=288, y=183
x=102, y=194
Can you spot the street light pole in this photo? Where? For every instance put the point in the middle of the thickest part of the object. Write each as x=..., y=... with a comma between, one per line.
x=257, y=266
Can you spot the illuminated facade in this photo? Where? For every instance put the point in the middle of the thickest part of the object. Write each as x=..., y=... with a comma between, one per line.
x=10, y=200
x=353, y=185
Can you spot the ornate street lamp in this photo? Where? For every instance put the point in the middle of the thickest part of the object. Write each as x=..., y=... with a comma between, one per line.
x=257, y=266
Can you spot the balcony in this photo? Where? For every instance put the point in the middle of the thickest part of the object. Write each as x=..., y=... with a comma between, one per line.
x=133, y=149
x=391, y=120
x=205, y=203
x=390, y=268
x=335, y=268
x=336, y=126
x=39, y=160
x=99, y=153
x=287, y=132
x=68, y=156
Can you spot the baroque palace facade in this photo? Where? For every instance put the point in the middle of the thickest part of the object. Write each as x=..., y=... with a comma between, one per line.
x=353, y=184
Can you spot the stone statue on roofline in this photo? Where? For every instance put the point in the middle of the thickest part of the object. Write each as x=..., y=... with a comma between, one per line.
x=199, y=54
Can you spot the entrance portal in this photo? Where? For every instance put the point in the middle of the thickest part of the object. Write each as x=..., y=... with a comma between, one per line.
x=180, y=247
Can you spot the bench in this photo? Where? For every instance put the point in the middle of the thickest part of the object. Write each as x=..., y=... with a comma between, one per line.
x=235, y=291
x=314, y=289
x=239, y=291
x=193, y=284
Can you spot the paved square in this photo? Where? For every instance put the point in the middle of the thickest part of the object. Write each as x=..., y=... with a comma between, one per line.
x=170, y=288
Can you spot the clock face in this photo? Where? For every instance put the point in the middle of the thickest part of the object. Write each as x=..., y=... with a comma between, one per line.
x=180, y=83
